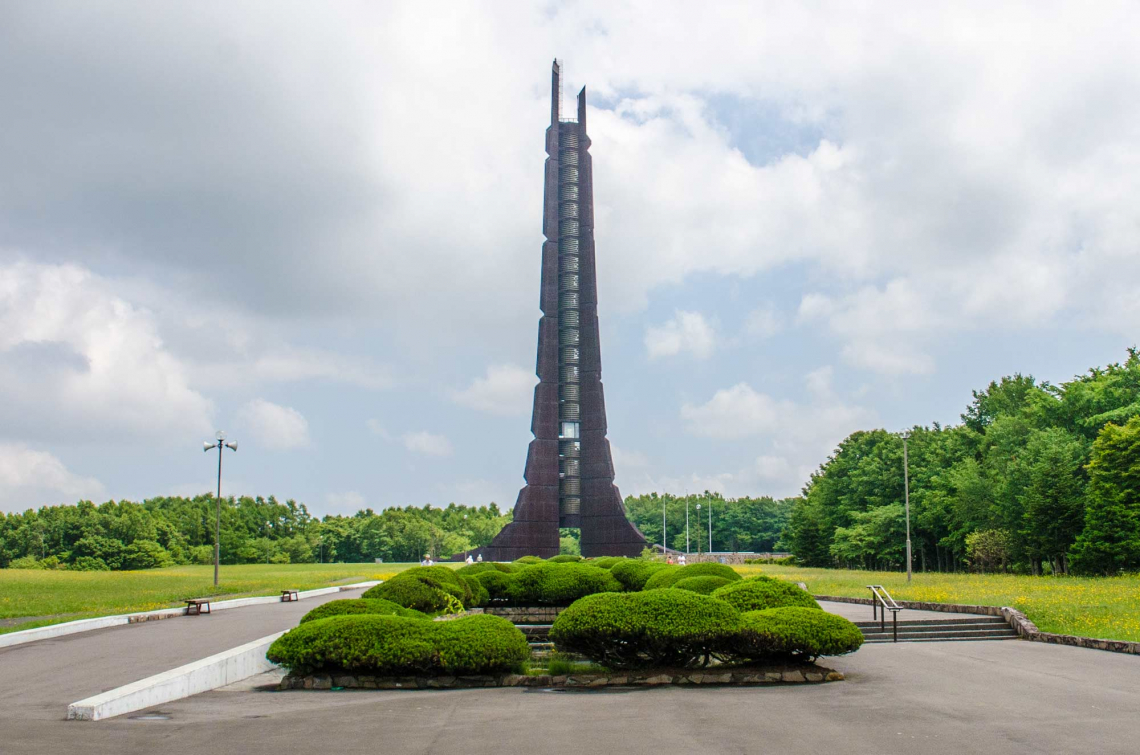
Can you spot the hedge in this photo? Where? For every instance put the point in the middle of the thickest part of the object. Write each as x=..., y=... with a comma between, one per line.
x=496, y=583
x=359, y=606
x=555, y=584
x=400, y=646
x=564, y=558
x=527, y=560
x=671, y=574
x=633, y=574
x=795, y=632
x=431, y=589
x=673, y=628
x=703, y=585
x=759, y=593
x=479, y=594
x=483, y=566
x=605, y=562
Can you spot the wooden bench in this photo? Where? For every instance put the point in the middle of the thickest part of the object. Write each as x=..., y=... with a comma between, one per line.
x=288, y=596
x=194, y=606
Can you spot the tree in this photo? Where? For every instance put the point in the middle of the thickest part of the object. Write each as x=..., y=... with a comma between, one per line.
x=1110, y=541
x=988, y=548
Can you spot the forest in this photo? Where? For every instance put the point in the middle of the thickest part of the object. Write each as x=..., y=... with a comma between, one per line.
x=1038, y=478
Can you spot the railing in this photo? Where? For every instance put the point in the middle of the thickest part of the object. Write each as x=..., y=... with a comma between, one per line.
x=881, y=602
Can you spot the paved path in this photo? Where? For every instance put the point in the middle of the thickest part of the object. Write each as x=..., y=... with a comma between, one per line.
x=860, y=612
x=38, y=680
x=933, y=698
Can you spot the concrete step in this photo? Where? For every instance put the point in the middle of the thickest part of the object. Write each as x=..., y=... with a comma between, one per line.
x=992, y=634
x=956, y=627
x=940, y=639
x=931, y=622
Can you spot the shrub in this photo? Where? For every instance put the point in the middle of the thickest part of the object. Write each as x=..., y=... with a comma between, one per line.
x=646, y=629
x=759, y=593
x=479, y=594
x=564, y=558
x=526, y=560
x=485, y=566
x=419, y=588
x=794, y=632
x=146, y=554
x=24, y=562
x=555, y=584
x=496, y=583
x=202, y=554
x=396, y=645
x=361, y=606
x=702, y=585
x=87, y=563
x=632, y=573
x=670, y=575
x=605, y=562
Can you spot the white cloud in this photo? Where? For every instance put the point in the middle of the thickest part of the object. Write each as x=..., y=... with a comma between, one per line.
x=347, y=503
x=686, y=332
x=736, y=412
x=78, y=362
x=506, y=389
x=376, y=428
x=763, y=322
x=624, y=459
x=427, y=443
x=772, y=467
x=273, y=426
x=31, y=478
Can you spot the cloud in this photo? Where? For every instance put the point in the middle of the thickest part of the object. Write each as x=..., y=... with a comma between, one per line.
x=736, y=412
x=30, y=478
x=346, y=504
x=77, y=362
x=376, y=428
x=763, y=322
x=427, y=444
x=687, y=331
x=280, y=428
x=506, y=389
x=772, y=467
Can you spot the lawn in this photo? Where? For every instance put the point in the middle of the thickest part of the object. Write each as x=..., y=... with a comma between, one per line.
x=57, y=596
x=1102, y=607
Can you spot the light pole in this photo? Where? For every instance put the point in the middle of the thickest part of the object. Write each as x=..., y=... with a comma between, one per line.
x=664, y=532
x=710, y=528
x=906, y=493
x=686, y=522
x=698, y=524
x=220, y=444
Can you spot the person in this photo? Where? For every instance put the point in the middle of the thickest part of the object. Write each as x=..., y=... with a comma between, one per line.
x=681, y=559
x=469, y=559
x=480, y=559
x=669, y=559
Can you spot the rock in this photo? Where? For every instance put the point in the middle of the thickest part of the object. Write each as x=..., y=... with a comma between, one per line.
x=619, y=680
x=344, y=681
x=813, y=677
x=793, y=676
x=835, y=676
x=718, y=678
x=773, y=676
x=558, y=681
x=599, y=681
x=441, y=682
x=659, y=679
x=322, y=681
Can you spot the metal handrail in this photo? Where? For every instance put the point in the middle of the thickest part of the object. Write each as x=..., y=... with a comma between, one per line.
x=881, y=602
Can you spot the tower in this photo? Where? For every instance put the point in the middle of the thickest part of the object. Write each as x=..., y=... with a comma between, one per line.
x=569, y=469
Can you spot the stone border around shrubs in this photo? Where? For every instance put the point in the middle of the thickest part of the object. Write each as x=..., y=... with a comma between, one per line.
x=792, y=674
x=1025, y=628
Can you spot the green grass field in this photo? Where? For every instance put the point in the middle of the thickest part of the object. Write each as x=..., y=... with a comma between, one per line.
x=1102, y=607
x=56, y=596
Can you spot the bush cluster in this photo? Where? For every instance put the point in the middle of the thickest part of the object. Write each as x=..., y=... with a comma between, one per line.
x=564, y=558
x=605, y=562
x=645, y=629
x=430, y=589
x=760, y=592
x=634, y=573
x=676, y=627
x=400, y=646
x=558, y=584
x=360, y=606
x=670, y=574
x=795, y=632
x=703, y=585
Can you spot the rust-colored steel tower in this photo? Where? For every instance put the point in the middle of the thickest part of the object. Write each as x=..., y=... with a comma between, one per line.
x=569, y=470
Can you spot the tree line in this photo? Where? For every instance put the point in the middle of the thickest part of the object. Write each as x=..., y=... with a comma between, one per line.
x=167, y=531
x=1038, y=478
x=738, y=524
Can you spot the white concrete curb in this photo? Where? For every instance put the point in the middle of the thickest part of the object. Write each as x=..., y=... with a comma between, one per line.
x=101, y=622
x=200, y=676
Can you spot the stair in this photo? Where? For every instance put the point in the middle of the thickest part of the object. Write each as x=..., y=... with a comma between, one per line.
x=939, y=630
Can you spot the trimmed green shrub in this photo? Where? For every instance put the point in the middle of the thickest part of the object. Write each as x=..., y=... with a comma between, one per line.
x=359, y=606
x=400, y=646
x=555, y=584
x=605, y=562
x=795, y=632
x=670, y=575
x=87, y=563
x=421, y=594
x=564, y=558
x=483, y=566
x=633, y=573
x=674, y=628
x=702, y=585
x=759, y=593
x=479, y=594
x=526, y=560
x=496, y=583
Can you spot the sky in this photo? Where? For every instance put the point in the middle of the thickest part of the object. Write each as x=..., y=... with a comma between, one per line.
x=318, y=227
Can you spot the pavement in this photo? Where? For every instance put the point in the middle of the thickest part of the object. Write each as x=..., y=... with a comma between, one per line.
x=951, y=697
x=860, y=612
x=38, y=680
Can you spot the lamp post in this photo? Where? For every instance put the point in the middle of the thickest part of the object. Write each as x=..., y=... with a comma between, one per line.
x=664, y=532
x=220, y=444
x=710, y=528
x=698, y=524
x=686, y=522
x=906, y=493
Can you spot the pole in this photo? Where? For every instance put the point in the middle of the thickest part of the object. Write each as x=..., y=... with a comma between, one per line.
x=686, y=523
x=664, y=537
x=906, y=488
x=710, y=528
x=218, y=515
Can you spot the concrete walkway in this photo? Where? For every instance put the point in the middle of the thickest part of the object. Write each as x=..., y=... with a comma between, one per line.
x=38, y=680
x=859, y=612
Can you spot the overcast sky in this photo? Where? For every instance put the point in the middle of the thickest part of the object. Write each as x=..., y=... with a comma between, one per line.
x=318, y=227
